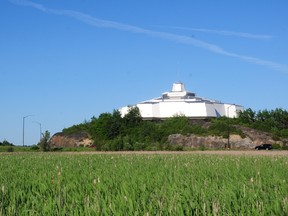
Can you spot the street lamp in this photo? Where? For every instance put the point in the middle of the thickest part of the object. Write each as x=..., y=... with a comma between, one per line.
x=24, y=128
x=40, y=129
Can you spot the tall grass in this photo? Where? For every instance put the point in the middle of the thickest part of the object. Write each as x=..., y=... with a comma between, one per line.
x=173, y=184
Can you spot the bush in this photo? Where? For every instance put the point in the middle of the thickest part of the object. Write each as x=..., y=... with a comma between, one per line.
x=6, y=143
x=57, y=149
x=276, y=146
x=284, y=133
x=111, y=131
x=173, y=147
x=10, y=149
x=219, y=127
x=202, y=147
x=44, y=142
x=179, y=148
x=34, y=148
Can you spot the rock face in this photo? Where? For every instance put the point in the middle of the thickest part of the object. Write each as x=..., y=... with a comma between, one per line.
x=252, y=139
x=71, y=140
x=258, y=137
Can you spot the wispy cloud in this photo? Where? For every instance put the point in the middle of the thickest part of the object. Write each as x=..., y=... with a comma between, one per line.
x=225, y=32
x=88, y=19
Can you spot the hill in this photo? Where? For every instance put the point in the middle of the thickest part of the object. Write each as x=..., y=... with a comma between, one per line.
x=111, y=131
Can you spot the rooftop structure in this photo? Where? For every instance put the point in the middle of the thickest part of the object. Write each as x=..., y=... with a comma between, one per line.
x=181, y=102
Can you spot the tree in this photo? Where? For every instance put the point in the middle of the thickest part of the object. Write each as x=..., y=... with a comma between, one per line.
x=6, y=143
x=107, y=126
x=44, y=142
x=176, y=124
x=247, y=116
x=280, y=116
x=133, y=118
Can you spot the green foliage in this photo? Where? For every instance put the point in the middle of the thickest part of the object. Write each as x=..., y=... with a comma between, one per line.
x=6, y=143
x=132, y=118
x=111, y=131
x=284, y=133
x=44, y=142
x=106, y=127
x=10, y=149
x=273, y=121
x=16, y=149
x=57, y=149
x=248, y=116
x=202, y=148
x=76, y=128
x=223, y=127
x=176, y=124
x=276, y=146
x=35, y=148
x=130, y=132
x=285, y=147
x=219, y=127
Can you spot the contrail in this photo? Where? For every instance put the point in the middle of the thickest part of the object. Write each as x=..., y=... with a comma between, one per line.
x=225, y=32
x=88, y=19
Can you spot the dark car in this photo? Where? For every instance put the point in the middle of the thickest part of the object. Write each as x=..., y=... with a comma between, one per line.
x=264, y=146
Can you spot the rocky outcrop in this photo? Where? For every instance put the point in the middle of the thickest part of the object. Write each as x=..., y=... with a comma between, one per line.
x=258, y=137
x=80, y=139
x=252, y=138
x=209, y=142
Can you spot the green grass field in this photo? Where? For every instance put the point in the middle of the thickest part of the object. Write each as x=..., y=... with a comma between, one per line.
x=142, y=184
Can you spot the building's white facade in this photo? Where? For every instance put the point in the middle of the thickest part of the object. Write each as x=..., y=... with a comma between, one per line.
x=181, y=102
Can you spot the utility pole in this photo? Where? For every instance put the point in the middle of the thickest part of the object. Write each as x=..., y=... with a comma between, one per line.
x=228, y=133
x=228, y=139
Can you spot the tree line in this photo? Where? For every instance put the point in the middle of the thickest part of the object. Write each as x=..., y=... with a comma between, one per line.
x=6, y=143
x=111, y=131
x=272, y=121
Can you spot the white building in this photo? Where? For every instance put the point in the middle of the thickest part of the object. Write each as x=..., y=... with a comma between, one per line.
x=181, y=102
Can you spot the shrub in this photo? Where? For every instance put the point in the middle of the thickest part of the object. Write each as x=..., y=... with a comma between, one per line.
x=44, y=142
x=57, y=149
x=34, y=148
x=202, y=147
x=276, y=146
x=6, y=143
x=179, y=148
x=10, y=149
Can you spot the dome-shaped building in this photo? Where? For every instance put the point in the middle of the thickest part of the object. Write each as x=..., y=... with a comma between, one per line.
x=181, y=102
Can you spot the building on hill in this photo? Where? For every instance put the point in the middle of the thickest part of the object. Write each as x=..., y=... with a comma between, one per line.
x=181, y=102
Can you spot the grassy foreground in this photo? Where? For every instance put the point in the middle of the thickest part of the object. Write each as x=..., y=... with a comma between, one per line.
x=135, y=184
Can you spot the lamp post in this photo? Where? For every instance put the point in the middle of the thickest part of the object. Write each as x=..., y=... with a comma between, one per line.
x=24, y=129
x=40, y=129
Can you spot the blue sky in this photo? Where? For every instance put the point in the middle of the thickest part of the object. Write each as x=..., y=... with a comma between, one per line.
x=66, y=61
